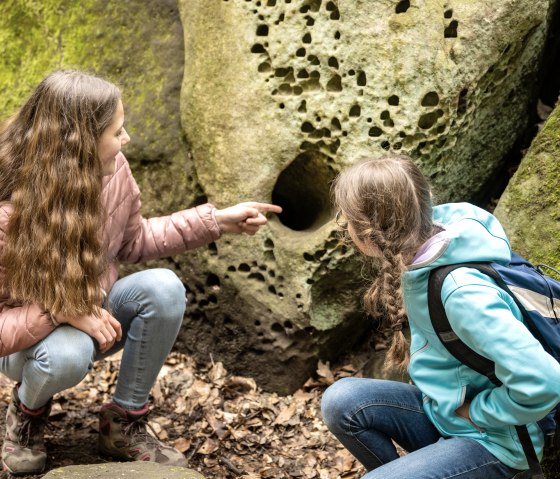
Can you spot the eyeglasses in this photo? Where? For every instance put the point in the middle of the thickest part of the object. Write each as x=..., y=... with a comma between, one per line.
x=340, y=220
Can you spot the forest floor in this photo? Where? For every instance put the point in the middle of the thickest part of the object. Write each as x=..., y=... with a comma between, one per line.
x=225, y=425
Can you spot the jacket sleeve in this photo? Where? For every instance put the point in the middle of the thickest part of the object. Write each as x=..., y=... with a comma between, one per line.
x=154, y=238
x=488, y=321
x=21, y=326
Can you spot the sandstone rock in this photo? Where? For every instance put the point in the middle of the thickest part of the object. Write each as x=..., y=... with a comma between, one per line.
x=279, y=96
x=123, y=470
x=528, y=209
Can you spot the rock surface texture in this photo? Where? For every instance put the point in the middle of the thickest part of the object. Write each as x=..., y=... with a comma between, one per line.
x=279, y=96
x=230, y=100
x=528, y=208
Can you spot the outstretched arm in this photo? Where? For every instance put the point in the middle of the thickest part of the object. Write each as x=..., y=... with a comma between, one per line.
x=145, y=239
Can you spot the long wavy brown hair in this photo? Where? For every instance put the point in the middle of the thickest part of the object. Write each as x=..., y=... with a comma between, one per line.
x=387, y=203
x=50, y=172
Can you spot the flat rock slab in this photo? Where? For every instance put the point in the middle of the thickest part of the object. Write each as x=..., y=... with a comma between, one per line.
x=123, y=470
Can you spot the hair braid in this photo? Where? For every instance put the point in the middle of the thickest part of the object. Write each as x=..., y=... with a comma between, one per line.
x=387, y=203
x=386, y=293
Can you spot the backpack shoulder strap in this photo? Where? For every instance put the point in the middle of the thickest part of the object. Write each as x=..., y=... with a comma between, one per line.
x=464, y=353
x=443, y=329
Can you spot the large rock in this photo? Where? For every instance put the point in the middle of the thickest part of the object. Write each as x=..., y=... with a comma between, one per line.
x=126, y=470
x=279, y=96
x=528, y=208
x=136, y=44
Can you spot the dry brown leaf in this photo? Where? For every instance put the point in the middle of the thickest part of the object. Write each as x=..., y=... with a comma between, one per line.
x=240, y=384
x=325, y=373
x=251, y=475
x=286, y=415
x=209, y=446
x=218, y=373
x=343, y=461
x=218, y=426
x=303, y=396
x=182, y=444
x=56, y=410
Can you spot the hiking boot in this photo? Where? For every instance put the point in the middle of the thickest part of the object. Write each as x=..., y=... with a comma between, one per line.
x=23, y=451
x=123, y=434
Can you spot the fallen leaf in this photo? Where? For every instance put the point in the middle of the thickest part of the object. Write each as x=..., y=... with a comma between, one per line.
x=209, y=446
x=181, y=444
x=285, y=415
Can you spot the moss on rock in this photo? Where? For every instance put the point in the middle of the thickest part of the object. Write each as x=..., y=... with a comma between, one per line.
x=136, y=44
x=528, y=209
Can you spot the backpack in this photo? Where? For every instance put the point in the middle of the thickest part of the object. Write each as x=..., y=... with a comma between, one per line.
x=538, y=297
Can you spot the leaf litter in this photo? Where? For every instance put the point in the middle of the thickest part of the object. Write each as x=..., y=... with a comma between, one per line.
x=226, y=426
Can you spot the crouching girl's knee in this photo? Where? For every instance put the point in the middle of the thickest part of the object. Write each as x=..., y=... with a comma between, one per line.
x=334, y=403
x=72, y=357
x=168, y=293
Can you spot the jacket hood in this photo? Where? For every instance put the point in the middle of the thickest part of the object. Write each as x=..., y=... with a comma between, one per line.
x=470, y=234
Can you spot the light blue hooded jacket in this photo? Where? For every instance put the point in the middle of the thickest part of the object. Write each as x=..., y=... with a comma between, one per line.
x=486, y=319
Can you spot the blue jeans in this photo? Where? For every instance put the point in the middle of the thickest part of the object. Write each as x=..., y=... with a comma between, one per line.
x=367, y=415
x=149, y=305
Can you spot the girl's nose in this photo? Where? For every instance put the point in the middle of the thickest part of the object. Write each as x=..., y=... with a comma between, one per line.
x=125, y=138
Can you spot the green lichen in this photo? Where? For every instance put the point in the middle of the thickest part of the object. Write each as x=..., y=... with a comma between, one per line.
x=138, y=45
x=528, y=208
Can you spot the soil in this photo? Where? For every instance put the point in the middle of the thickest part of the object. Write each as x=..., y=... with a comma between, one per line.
x=225, y=425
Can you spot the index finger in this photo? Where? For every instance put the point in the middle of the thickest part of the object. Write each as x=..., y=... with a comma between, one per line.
x=266, y=207
x=116, y=327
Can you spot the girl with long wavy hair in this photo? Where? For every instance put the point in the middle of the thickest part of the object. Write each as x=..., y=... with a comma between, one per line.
x=69, y=213
x=451, y=421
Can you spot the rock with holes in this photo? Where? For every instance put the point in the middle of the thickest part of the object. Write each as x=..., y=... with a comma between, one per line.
x=280, y=95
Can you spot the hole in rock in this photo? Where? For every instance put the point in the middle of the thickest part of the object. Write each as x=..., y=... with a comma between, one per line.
x=451, y=30
x=355, y=111
x=402, y=6
x=375, y=131
x=427, y=120
x=335, y=83
x=430, y=99
x=303, y=192
x=262, y=30
x=212, y=280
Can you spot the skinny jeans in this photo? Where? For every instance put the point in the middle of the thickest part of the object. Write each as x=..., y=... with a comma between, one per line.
x=149, y=305
x=367, y=415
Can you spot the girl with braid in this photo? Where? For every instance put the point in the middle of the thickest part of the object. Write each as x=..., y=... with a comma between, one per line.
x=451, y=421
x=69, y=213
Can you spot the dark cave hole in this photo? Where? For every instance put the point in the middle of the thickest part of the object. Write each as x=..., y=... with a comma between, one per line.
x=303, y=192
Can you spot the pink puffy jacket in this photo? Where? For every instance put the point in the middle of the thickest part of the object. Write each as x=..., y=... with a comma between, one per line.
x=130, y=238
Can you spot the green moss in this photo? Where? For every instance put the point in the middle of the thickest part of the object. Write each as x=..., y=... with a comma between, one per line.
x=136, y=44
x=528, y=208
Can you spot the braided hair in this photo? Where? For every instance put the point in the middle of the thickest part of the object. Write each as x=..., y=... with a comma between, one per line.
x=387, y=204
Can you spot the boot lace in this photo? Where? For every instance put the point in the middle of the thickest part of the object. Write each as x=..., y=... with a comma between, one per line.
x=138, y=429
x=31, y=429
